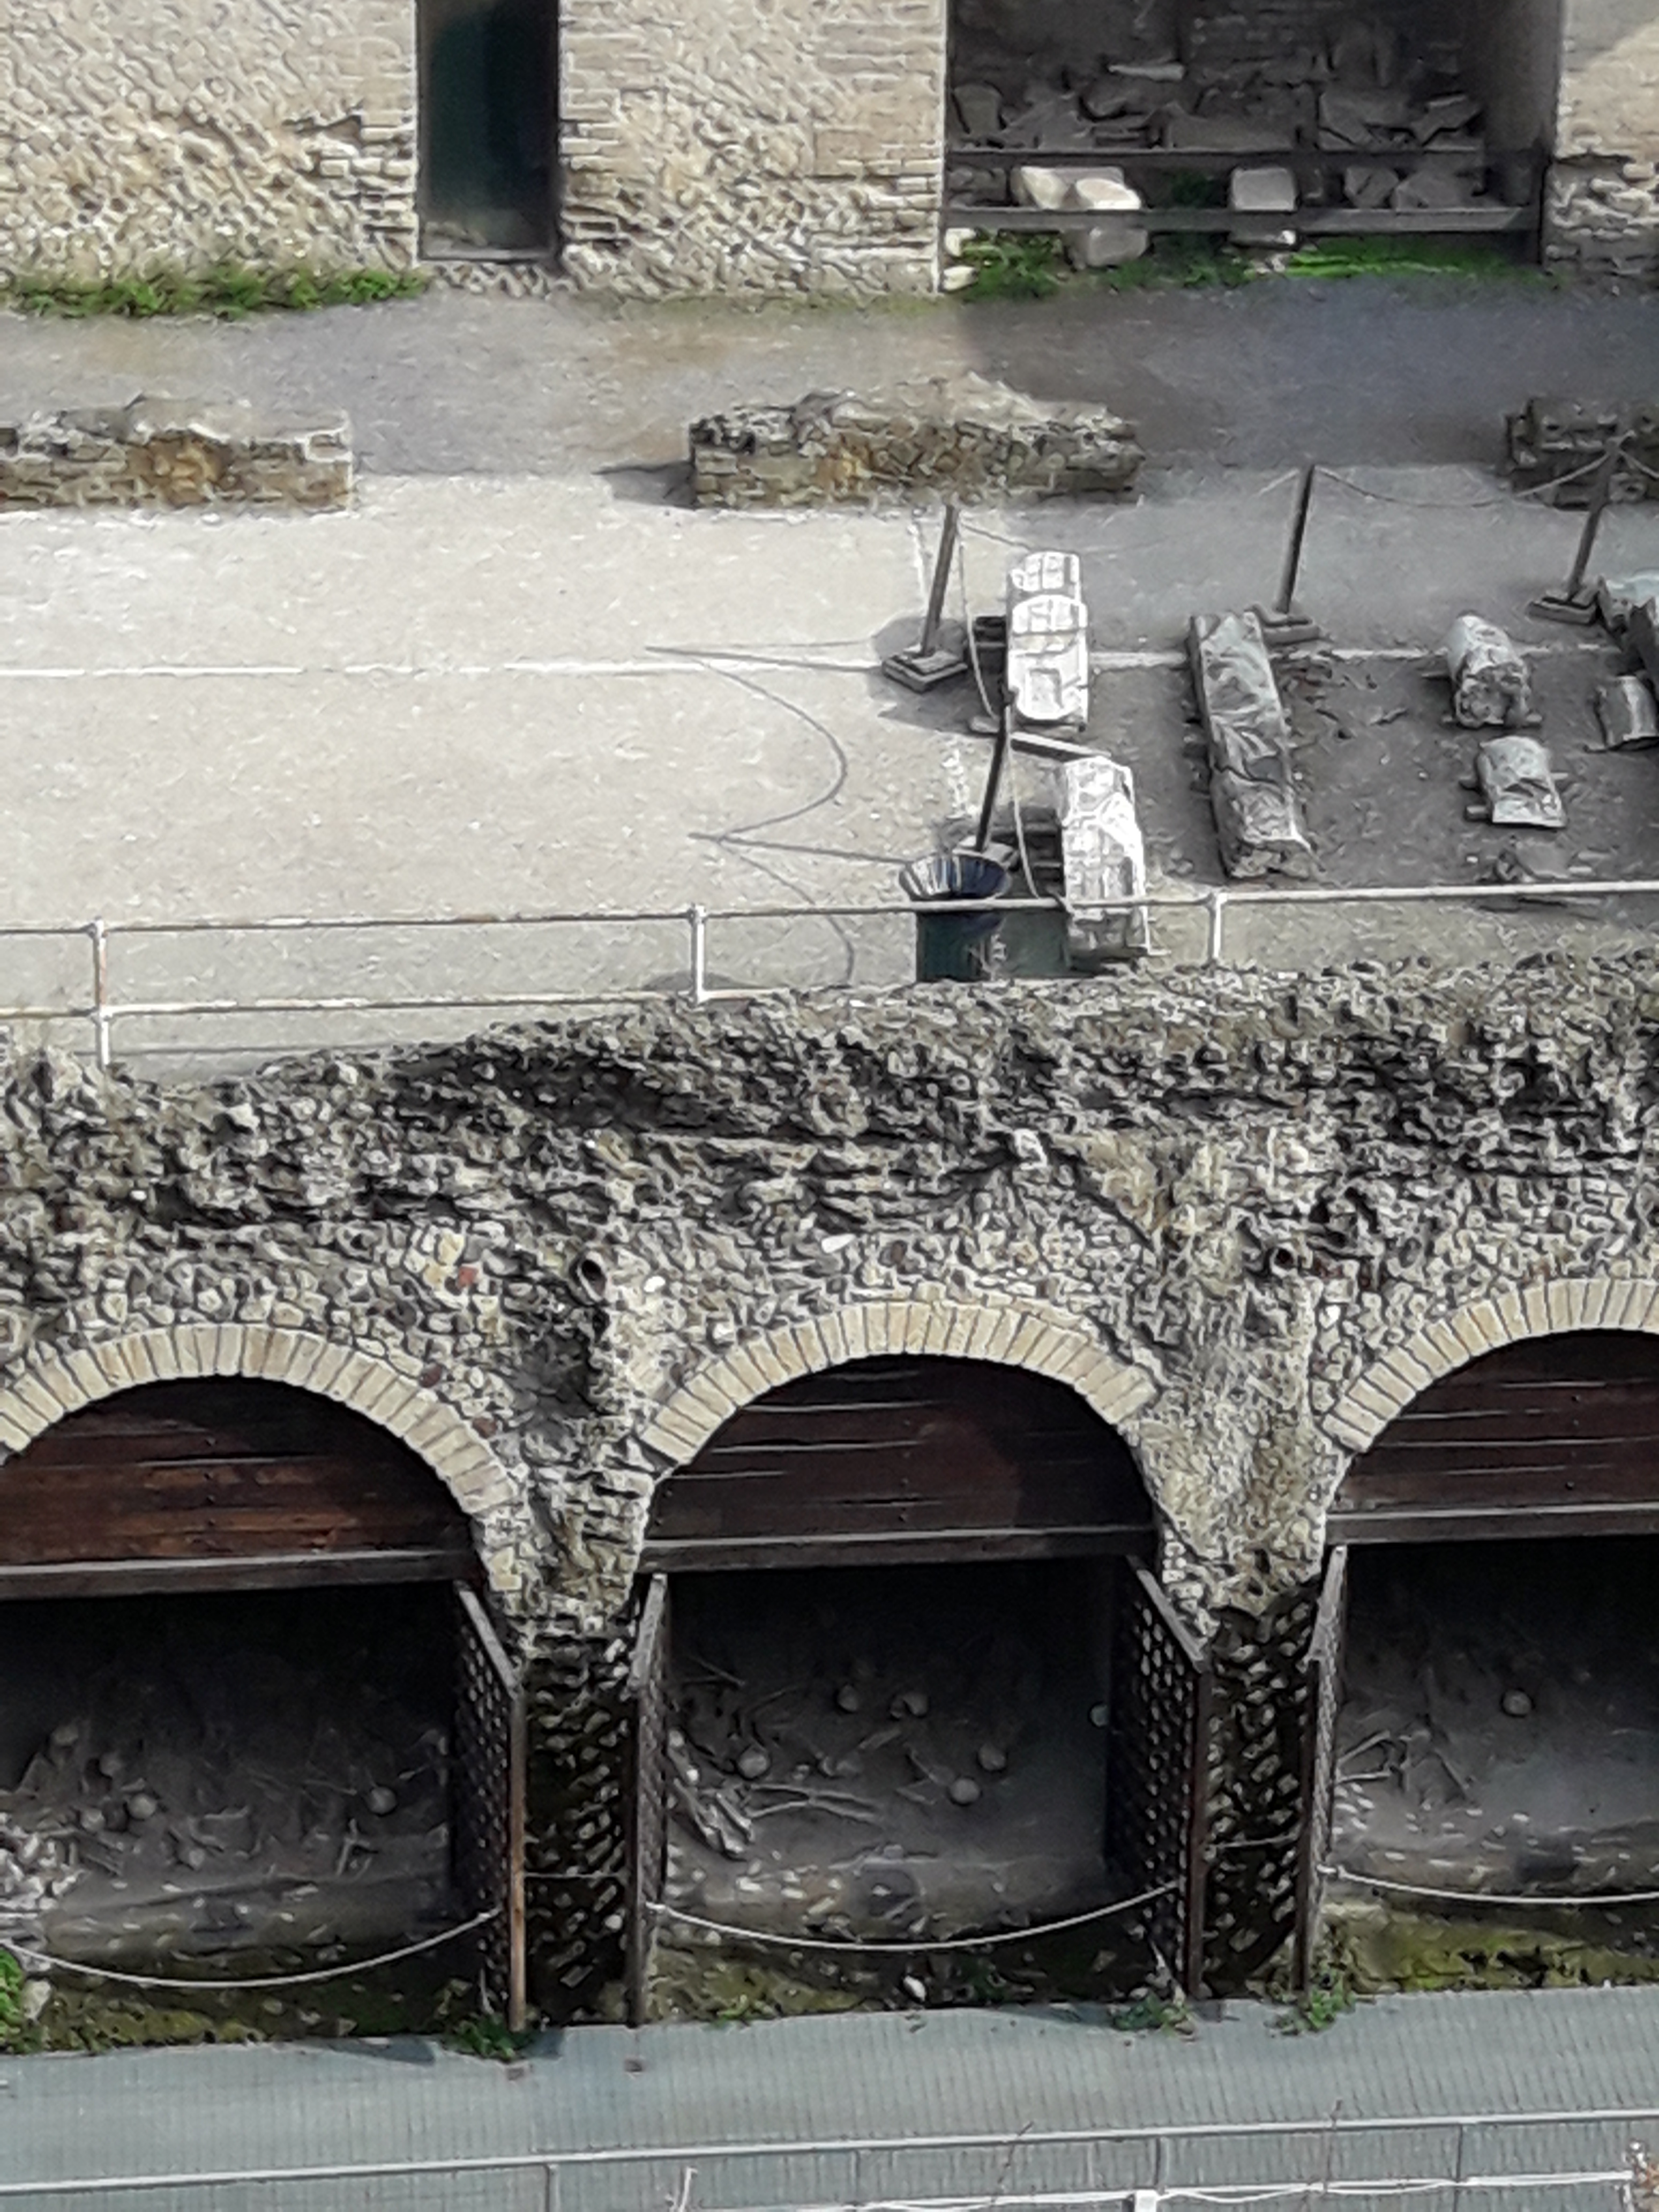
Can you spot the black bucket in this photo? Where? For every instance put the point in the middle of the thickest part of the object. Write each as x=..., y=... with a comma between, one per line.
x=954, y=948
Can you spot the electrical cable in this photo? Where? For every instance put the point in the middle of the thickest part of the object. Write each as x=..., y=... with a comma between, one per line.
x=27, y=1955
x=922, y=1942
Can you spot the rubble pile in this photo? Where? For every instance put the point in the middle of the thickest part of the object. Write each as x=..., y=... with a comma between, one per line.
x=962, y=438
x=886, y=1753
x=173, y=453
x=1385, y=90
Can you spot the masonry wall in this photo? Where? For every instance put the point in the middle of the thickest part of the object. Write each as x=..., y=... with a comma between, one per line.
x=264, y=132
x=1245, y=1217
x=1604, y=202
x=752, y=145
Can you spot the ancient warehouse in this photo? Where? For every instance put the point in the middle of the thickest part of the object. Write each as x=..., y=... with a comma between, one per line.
x=676, y=1495
x=819, y=149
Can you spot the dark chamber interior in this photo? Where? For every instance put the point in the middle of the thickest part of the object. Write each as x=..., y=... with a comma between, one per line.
x=487, y=79
x=1499, y=1726
x=890, y=1751
x=255, y=1772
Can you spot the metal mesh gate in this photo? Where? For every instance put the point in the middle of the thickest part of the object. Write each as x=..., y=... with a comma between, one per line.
x=1324, y=1674
x=648, y=1694
x=488, y=1781
x=1158, y=1760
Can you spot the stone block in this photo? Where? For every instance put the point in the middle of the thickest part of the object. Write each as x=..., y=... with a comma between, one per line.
x=1253, y=795
x=1103, y=857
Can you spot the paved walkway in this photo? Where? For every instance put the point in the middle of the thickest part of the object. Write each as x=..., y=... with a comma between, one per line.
x=920, y=2106
x=1402, y=372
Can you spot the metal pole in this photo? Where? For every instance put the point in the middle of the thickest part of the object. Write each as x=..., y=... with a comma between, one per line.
x=993, y=780
x=1216, y=901
x=1287, y=582
x=697, y=919
x=100, y=1012
x=1601, y=499
x=935, y=614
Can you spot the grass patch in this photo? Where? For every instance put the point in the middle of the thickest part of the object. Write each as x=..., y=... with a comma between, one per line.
x=228, y=291
x=1407, y=257
x=1016, y=265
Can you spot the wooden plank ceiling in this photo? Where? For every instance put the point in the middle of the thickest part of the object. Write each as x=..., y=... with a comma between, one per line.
x=896, y=1459
x=1557, y=1436
x=220, y=1483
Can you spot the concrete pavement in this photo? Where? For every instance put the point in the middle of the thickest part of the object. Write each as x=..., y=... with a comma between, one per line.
x=989, y=2105
x=1394, y=373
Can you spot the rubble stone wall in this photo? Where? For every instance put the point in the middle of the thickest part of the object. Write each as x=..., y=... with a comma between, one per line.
x=175, y=130
x=1246, y=1217
x=164, y=452
x=1602, y=204
x=740, y=146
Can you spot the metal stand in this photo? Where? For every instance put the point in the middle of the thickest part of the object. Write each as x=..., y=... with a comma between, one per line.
x=994, y=780
x=924, y=665
x=1284, y=626
x=1574, y=604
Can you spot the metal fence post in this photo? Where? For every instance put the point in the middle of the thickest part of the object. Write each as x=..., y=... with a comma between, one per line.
x=100, y=1010
x=697, y=921
x=1216, y=901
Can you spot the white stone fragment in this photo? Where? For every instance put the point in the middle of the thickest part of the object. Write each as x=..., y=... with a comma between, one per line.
x=1047, y=672
x=1039, y=188
x=1491, y=688
x=1104, y=856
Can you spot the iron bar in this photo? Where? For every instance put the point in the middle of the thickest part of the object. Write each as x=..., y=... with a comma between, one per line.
x=1292, y=570
x=697, y=923
x=101, y=1009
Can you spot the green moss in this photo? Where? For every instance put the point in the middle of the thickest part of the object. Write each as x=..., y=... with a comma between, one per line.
x=1407, y=257
x=1371, y=1951
x=228, y=291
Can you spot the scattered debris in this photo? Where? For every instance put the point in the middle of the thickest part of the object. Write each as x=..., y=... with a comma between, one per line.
x=1491, y=688
x=1258, y=815
x=1628, y=713
x=1518, y=785
x=1105, y=858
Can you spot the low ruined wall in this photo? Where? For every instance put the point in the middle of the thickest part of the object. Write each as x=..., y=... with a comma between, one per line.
x=788, y=147
x=1244, y=1217
x=190, y=134
x=963, y=438
x=165, y=453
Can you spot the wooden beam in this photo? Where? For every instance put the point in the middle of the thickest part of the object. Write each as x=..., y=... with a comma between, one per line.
x=908, y=1547
x=1307, y=222
x=267, y=1571
x=1454, y=1524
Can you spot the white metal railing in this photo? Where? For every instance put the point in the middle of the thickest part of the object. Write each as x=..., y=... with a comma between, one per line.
x=104, y=1007
x=1154, y=2149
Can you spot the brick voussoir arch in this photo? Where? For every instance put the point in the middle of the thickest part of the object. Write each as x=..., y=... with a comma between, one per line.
x=1039, y=1338
x=34, y=1398
x=1392, y=1382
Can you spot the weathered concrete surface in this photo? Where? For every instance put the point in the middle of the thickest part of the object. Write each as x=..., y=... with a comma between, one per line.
x=1380, y=373
x=887, y=2078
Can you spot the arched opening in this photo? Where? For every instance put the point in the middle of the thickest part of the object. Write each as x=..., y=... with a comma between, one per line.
x=246, y=1715
x=905, y=1692
x=1491, y=1724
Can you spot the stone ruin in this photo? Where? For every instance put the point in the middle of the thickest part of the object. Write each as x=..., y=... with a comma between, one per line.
x=962, y=438
x=173, y=453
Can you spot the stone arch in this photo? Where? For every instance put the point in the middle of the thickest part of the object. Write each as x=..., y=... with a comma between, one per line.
x=1392, y=1382
x=1038, y=1338
x=37, y=1398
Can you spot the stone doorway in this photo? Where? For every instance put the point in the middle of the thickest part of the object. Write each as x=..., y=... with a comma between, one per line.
x=489, y=78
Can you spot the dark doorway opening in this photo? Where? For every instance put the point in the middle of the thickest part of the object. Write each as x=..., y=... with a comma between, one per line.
x=488, y=79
